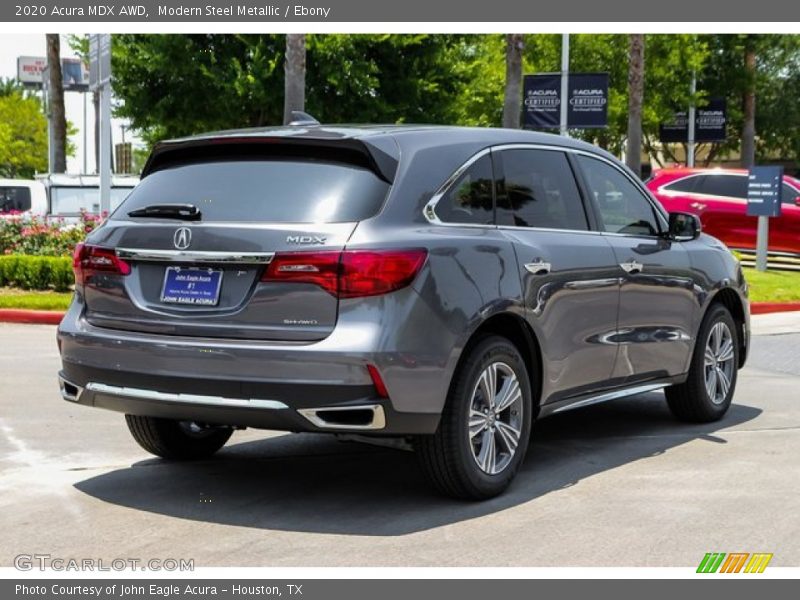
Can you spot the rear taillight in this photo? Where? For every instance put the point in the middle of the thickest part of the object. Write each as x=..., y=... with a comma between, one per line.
x=319, y=268
x=88, y=260
x=349, y=274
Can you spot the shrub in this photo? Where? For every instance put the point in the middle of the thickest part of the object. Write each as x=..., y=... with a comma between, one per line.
x=21, y=234
x=36, y=272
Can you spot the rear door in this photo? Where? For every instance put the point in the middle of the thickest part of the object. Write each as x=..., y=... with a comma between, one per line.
x=569, y=273
x=657, y=306
x=216, y=276
x=784, y=231
x=721, y=199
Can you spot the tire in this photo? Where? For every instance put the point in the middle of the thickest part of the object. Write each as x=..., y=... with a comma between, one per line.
x=450, y=457
x=692, y=400
x=177, y=440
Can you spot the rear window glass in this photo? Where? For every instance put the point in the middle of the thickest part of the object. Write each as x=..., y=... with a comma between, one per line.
x=278, y=191
x=14, y=199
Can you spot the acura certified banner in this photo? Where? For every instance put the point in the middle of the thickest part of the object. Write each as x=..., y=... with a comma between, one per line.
x=588, y=100
x=710, y=124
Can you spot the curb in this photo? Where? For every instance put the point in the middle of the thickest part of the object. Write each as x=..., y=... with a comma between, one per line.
x=763, y=308
x=53, y=317
x=43, y=317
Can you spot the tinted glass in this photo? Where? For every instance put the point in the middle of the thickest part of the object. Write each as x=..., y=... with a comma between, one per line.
x=687, y=184
x=469, y=199
x=623, y=207
x=789, y=194
x=539, y=190
x=14, y=199
x=734, y=186
x=277, y=191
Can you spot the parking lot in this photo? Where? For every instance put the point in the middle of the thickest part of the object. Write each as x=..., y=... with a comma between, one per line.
x=620, y=484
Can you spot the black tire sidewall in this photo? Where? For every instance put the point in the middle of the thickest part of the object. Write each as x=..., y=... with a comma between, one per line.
x=715, y=315
x=491, y=349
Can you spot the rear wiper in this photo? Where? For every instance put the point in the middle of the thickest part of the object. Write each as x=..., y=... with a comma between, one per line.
x=187, y=212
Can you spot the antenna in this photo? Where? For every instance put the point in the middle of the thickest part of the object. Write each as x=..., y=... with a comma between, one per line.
x=301, y=118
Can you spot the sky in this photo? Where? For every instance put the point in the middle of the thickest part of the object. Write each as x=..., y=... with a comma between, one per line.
x=14, y=45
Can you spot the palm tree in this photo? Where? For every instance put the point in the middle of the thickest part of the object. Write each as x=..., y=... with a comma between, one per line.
x=57, y=114
x=749, y=105
x=633, y=150
x=512, y=102
x=295, y=68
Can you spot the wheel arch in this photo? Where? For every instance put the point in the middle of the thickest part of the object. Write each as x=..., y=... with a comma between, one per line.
x=514, y=328
x=731, y=300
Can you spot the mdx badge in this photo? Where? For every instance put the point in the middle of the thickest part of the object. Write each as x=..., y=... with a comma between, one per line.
x=305, y=239
x=182, y=238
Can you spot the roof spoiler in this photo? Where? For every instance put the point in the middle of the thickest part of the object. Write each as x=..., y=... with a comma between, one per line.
x=379, y=155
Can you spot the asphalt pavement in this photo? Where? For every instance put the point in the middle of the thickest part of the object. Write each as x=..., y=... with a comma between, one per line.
x=618, y=484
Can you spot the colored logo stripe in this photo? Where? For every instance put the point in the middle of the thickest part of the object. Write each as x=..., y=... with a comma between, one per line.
x=758, y=562
x=734, y=562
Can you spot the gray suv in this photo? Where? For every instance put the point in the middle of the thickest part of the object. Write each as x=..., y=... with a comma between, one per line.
x=439, y=286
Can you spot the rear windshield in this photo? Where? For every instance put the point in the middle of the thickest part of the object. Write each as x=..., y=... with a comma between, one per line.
x=279, y=191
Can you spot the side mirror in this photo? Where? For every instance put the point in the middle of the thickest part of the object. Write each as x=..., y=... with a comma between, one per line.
x=684, y=227
x=797, y=201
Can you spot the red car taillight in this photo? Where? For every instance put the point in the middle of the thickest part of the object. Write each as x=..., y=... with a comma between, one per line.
x=348, y=274
x=88, y=260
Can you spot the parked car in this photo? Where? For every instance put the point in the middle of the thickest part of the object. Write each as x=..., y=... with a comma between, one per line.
x=22, y=196
x=442, y=286
x=69, y=194
x=719, y=198
x=60, y=194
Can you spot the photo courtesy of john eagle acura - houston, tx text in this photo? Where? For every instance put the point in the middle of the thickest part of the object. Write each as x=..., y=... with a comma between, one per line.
x=435, y=287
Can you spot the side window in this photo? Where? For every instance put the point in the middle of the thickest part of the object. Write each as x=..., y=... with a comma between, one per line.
x=789, y=194
x=623, y=207
x=539, y=190
x=733, y=186
x=470, y=198
x=15, y=199
x=687, y=184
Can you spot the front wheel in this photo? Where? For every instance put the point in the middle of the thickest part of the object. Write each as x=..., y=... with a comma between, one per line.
x=485, y=426
x=179, y=440
x=708, y=390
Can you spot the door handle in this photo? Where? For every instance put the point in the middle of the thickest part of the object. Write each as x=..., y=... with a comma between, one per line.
x=632, y=267
x=538, y=267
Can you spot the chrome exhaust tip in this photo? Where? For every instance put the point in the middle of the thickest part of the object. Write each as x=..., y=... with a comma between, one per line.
x=69, y=390
x=362, y=417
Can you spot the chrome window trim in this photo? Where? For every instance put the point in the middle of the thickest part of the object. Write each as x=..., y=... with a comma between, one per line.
x=195, y=256
x=429, y=210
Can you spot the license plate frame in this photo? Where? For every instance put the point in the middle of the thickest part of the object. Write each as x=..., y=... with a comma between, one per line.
x=186, y=291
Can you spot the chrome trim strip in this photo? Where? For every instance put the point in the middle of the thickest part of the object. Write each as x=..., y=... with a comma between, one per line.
x=429, y=211
x=144, y=394
x=195, y=256
x=639, y=389
x=62, y=383
x=378, y=416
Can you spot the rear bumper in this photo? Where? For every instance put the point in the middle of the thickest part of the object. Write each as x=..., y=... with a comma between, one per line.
x=374, y=416
x=322, y=386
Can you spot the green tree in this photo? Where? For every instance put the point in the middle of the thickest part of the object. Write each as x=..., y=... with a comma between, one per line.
x=23, y=136
x=173, y=85
x=765, y=91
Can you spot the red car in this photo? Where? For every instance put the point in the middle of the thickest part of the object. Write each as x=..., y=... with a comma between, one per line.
x=719, y=198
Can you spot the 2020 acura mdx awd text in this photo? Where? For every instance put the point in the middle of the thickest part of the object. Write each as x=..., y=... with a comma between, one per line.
x=442, y=285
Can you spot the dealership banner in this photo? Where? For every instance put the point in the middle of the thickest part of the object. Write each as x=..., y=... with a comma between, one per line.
x=710, y=124
x=443, y=11
x=73, y=71
x=587, y=98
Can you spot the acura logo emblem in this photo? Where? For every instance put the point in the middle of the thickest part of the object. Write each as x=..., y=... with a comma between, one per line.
x=182, y=238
